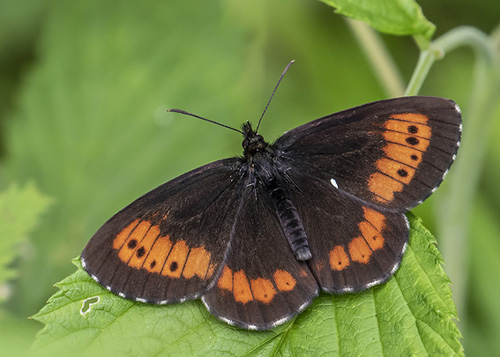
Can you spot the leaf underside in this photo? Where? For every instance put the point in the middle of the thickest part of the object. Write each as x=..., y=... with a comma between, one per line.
x=396, y=17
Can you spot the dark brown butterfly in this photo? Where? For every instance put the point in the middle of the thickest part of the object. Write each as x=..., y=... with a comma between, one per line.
x=257, y=236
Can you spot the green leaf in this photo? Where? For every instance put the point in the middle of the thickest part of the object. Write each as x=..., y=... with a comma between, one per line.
x=20, y=209
x=397, y=17
x=410, y=315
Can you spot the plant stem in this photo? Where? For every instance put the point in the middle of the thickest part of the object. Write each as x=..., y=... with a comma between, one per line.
x=424, y=64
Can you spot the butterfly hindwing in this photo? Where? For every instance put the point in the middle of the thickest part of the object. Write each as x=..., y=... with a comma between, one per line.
x=392, y=153
x=169, y=244
x=354, y=246
x=262, y=284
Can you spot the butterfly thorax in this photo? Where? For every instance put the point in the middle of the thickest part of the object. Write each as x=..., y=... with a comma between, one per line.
x=267, y=177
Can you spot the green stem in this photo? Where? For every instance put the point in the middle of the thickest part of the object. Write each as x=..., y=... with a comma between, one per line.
x=379, y=57
x=424, y=64
x=431, y=52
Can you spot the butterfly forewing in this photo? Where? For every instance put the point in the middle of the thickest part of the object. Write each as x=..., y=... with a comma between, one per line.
x=168, y=245
x=391, y=153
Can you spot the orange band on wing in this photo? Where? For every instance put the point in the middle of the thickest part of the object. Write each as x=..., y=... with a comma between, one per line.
x=137, y=259
x=407, y=137
x=403, y=154
x=122, y=237
x=362, y=247
x=413, y=117
x=176, y=259
x=383, y=186
x=396, y=170
x=261, y=289
x=408, y=140
x=420, y=130
x=158, y=254
x=197, y=263
x=140, y=246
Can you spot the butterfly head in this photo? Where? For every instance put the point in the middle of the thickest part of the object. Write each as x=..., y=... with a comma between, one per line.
x=253, y=142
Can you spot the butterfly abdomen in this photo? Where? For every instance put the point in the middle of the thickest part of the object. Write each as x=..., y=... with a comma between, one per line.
x=289, y=220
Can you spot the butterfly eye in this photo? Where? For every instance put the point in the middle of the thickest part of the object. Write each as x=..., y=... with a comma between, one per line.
x=245, y=143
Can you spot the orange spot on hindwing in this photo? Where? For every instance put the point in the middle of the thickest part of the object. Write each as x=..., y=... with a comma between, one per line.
x=284, y=280
x=241, y=287
x=359, y=251
x=377, y=219
x=260, y=289
x=361, y=248
x=225, y=281
x=339, y=260
x=407, y=137
x=263, y=290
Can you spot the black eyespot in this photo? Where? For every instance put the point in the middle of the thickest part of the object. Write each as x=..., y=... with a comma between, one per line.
x=402, y=173
x=412, y=140
x=140, y=252
x=174, y=266
x=153, y=264
x=414, y=157
x=132, y=244
x=412, y=129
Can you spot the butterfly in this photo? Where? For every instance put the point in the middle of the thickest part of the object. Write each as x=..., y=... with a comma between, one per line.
x=258, y=236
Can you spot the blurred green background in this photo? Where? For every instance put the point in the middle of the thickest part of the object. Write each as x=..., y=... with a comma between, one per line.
x=84, y=86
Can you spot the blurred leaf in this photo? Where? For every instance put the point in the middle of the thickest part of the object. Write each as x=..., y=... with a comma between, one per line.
x=91, y=128
x=397, y=17
x=16, y=334
x=410, y=315
x=20, y=210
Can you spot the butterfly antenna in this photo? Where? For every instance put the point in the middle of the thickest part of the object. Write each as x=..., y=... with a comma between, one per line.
x=197, y=116
x=274, y=91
